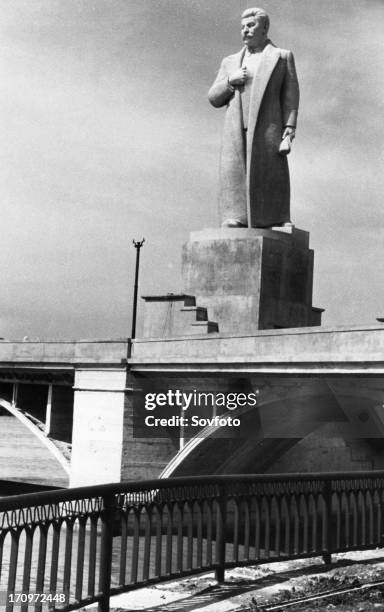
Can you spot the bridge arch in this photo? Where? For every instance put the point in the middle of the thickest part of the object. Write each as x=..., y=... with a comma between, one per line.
x=293, y=413
x=54, y=451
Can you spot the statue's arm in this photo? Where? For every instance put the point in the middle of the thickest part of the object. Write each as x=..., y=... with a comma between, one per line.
x=221, y=91
x=290, y=93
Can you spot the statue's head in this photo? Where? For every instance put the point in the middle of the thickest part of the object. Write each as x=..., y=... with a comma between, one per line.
x=254, y=27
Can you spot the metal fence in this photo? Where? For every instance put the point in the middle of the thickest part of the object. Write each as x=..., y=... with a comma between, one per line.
x=79, y=546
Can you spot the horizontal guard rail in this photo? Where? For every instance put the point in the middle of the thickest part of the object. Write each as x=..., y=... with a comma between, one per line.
x=82, y=545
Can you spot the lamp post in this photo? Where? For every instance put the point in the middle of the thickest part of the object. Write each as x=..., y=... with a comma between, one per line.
x=138, y=244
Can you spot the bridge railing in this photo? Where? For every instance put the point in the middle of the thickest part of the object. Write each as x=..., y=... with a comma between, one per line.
x=79, y=546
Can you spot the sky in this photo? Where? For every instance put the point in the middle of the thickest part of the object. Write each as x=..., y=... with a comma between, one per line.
x=107, y=136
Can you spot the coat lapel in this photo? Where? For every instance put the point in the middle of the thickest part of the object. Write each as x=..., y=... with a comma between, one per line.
x=269, y=58
x=237, y=115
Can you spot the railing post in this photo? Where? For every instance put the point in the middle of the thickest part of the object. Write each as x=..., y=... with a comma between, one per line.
x=106, y=544
x=221, y=533
x=327, y=557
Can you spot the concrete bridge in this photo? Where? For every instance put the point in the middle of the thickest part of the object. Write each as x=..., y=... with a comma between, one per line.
x=44, y=386
x=320, y=396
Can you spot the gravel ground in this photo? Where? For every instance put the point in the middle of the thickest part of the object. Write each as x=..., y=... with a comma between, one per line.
x=249, y=588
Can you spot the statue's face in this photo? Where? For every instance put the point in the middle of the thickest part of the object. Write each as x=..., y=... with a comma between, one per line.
x=252, y=31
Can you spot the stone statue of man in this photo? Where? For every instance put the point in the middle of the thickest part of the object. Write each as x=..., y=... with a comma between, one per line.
x=260, y=89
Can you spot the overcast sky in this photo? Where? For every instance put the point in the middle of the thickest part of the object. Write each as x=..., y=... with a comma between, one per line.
x=107, y=135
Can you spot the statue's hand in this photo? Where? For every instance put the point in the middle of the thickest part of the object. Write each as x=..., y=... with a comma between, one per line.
x=286, y=140
x=238, y=77
x=289, y=131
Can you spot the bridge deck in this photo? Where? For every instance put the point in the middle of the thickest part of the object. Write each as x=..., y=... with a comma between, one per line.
x=65, y=353
x=347, y=349
x=314, y=349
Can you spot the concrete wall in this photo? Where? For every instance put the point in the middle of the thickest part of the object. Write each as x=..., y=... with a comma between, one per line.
x=144, y=457
x=63, y=352
x=98, y=417
x=322, y=451
x=104, y=448
x=340, y=349
x=300, y=424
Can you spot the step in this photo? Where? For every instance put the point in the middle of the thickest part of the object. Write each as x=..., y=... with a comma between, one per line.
x=210, y=326
x=189, y=300
x=174, y=315
x=201, y=312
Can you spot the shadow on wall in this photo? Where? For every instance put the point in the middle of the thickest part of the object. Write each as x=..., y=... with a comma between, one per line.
x=299, y=425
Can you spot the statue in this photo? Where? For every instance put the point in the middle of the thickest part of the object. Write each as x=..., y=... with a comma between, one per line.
x=260, y=89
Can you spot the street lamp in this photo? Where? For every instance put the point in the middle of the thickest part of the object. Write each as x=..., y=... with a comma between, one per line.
x=138, y=244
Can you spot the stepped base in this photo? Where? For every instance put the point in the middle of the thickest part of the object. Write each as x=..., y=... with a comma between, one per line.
x=250, y=279
x=173, y=315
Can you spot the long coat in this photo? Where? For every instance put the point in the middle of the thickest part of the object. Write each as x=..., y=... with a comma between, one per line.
x=254, y=177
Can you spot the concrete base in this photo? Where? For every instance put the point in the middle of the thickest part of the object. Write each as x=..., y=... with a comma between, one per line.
x=172, y=315
x=251, y=279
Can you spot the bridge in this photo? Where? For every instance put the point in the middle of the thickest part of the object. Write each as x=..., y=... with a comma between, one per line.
x=40, y=384
x=77, y=398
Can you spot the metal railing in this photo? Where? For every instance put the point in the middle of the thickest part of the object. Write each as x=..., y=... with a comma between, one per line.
x=93, y=542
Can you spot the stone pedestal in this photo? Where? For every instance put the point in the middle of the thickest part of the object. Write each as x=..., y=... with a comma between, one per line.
x=250, y=279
